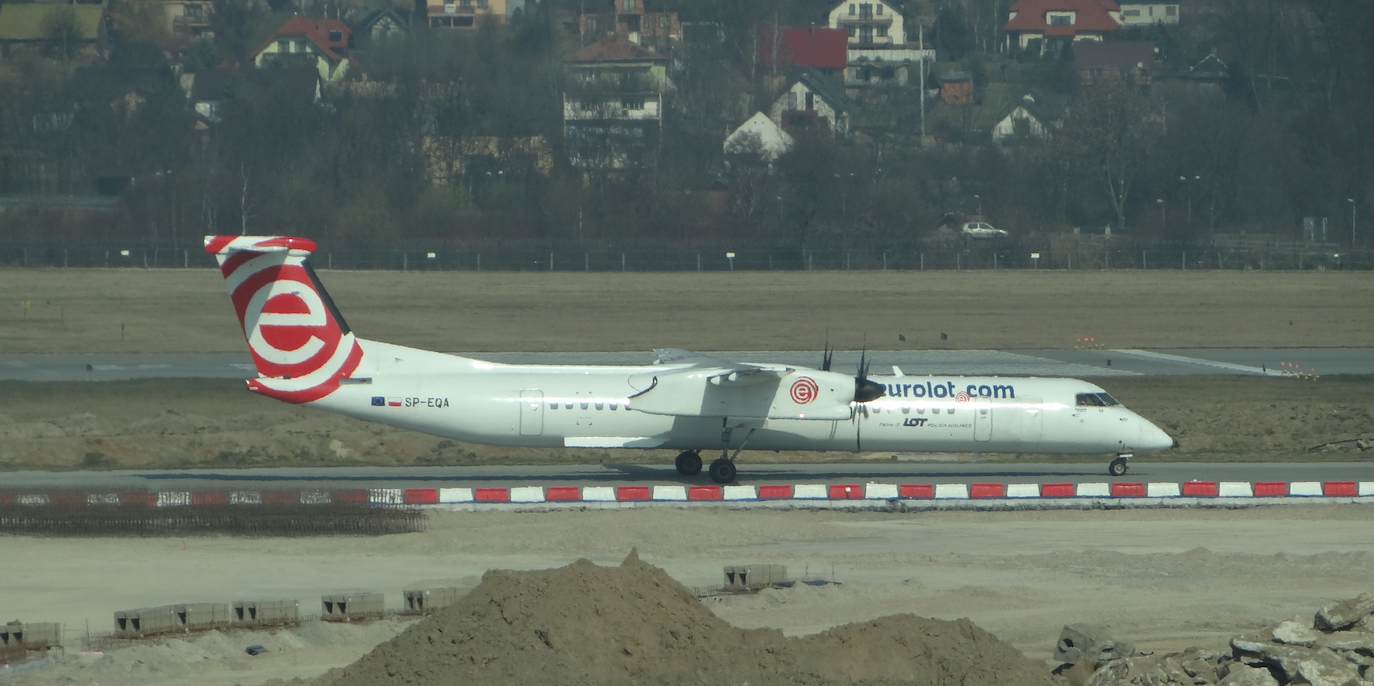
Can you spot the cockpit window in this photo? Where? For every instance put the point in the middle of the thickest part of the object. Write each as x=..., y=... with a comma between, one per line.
x=1088, y=400
x=1107, y=399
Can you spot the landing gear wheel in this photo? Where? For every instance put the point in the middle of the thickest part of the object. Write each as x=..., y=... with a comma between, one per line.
x=1117, y=467
x=689, y=463
x=722, y=471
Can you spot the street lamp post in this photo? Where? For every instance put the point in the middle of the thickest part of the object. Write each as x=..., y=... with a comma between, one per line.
x=1352, y=221
x=979, y=198
x=1184, y=180
x=1163, y=213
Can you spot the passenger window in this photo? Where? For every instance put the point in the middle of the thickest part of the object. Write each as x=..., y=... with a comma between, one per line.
x=920, y=409
x=1087, y=400
x=951, y=410
x=600, y=405
x=553, y=405
x=935, y=410
x=906, y=409
x=567, y=406
x=613, y=405
x=584, y=404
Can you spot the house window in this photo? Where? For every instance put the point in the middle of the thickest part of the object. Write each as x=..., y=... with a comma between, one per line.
x=880, y=9
x=664, y=22
x=865, y=11
x=882, y=30
x=1130, y=13
x=465, y=3
x=336, y=36
x=482, y=4
x=866, y=34
x=1061, y=20
x=191, y=11
x=632, y=103
x=627, y=6
x=591, y=24
x=810, y=101
x=283, y=45
x=462, y=21
x=852, y=32
x=1171, y=11
x=852, y=10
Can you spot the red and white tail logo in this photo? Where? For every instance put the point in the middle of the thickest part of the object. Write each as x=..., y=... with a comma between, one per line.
x=299, y=342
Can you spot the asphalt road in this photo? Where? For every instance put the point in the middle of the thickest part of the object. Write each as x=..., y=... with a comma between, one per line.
x=897, y=471
x=1070, y=363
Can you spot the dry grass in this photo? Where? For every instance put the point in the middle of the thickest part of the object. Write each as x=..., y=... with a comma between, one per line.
x=189, y=311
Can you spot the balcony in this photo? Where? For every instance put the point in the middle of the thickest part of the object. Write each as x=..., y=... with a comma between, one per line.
x=868, y=19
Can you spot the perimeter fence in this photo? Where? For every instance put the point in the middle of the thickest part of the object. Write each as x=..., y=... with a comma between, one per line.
x=1085, y=253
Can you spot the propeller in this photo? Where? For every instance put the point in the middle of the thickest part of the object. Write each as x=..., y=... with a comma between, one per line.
x=828, y=355
x=865, y=390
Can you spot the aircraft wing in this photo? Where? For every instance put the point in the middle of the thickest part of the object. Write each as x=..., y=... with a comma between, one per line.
x=710, y=387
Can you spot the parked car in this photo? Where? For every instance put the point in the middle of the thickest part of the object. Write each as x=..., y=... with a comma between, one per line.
x=982, y=230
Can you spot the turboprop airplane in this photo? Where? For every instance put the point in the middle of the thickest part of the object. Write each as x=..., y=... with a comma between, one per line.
x=306, y=354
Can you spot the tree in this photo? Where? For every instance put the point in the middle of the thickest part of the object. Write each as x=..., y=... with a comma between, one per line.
x=63, y=31
x=1108, y=134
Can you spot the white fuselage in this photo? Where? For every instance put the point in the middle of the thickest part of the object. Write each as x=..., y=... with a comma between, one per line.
x=593, y=406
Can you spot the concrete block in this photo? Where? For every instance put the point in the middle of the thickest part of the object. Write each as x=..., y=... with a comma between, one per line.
x=598, y=493
x=1235, y=489
x=146, y=621
x=874, y=491
x=1157, y=489
x=350, y=607
x=1023, y=490
x=739, y=493
x=752, y=577
x=455, y=495
x=19, y=636
x=1305, y=488
x=527, y=494
x=256, y=613
x=201, y=616
x=809, y=491
x=669, y=493
x=427, y=600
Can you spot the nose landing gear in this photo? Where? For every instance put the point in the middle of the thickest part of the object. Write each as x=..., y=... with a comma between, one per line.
x=1118, y=466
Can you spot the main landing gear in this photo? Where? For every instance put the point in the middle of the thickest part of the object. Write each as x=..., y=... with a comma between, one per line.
x=689, y=463
x=722, y=470
x=1118, y=466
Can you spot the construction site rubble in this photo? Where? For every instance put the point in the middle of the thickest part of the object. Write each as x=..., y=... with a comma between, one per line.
x=1333, y=648
x=633, y=624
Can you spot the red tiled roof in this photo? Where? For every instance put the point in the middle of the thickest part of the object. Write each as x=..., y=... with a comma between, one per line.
x=1092, y=15
x=614, y=49
x=316, y=31
x=820, y=48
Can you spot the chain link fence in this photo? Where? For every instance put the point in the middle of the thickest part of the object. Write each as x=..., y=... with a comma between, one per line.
x=1089, y=253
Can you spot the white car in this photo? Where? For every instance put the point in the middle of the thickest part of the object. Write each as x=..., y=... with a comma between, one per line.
x=982, y=230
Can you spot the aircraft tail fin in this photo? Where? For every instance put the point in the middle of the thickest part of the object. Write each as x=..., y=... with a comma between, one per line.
x=299, y=341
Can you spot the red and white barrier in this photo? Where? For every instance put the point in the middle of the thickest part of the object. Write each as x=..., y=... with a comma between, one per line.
x=1296, y=491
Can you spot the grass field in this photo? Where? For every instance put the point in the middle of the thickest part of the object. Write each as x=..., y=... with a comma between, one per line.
x=218, y=424
x=189, y=311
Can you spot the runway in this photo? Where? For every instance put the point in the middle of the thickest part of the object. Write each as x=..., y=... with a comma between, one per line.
x=1045, y=362
x=896, y=471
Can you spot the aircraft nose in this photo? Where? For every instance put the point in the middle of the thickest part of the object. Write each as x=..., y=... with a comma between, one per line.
x=1153, y=437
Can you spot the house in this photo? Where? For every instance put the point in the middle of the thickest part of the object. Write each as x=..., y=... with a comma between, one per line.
x=880, y=49
x=467, y=14
x=813, y=48
x=1146, y=13
x=956, y=88
x=1046, y=22
x=614, y=102
x=381, y=24
x=208, y=88
x=758, y=136
x=815, y=101
x=1033, y=117
x=323, y=44
x=629, y=19
x=1210, y=70
x=1132, y=60
x=188, y=17
x=64, y=30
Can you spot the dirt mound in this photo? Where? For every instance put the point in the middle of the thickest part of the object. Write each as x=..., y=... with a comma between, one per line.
x=633, y=624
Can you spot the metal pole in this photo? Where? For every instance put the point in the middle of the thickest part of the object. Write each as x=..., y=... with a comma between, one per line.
x=884, y=260
x=550, y=261
x=622, y=261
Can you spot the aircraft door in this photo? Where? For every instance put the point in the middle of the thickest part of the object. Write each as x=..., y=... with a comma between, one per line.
x=531, y=413
x=982, y=420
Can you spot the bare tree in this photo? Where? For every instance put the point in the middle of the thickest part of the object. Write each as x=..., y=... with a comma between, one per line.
x=1109, y=134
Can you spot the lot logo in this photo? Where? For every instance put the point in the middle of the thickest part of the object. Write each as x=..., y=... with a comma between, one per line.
x=804, y=390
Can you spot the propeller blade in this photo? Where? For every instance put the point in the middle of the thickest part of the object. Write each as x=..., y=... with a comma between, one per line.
x=829, y=354
x=866, y=391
